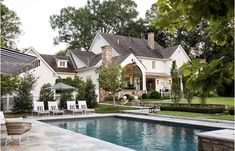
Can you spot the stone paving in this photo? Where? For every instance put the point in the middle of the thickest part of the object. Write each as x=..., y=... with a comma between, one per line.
x=45, y=137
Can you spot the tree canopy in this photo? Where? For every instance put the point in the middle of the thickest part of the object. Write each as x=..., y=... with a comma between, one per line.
x=77, y=27
x=10, y=27
x=185, y=14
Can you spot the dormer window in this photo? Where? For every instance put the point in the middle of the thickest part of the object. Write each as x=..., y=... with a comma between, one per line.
x=62, y=63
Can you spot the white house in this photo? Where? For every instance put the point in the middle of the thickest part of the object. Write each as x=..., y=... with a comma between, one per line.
x=50, y=68
x=147, y=64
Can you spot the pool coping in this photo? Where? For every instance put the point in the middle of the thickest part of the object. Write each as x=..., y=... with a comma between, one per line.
x=192, y=122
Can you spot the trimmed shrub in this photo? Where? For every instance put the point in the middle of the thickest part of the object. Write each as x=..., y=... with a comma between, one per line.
x=231, y=111
x=90, y=94
x=208, y=110
x=155, y=95
x=144, y=96
x=109, y=98
x=129, y=97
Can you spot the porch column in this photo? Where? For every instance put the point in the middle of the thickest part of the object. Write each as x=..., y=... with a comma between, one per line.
x=181, y=84
x=7, y=103
x=144, y=80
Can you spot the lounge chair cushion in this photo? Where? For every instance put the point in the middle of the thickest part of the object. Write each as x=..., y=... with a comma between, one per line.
x=83, y=106
x=40, y=108
x=72, y=107
x=53, y=107
x=14, y=120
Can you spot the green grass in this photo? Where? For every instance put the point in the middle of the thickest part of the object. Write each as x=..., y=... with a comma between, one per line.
x=198, y=115
x=15, y=115
x=211, y=100
x=110, y=109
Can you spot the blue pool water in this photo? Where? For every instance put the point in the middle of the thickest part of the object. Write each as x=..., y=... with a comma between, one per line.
x=136, y=134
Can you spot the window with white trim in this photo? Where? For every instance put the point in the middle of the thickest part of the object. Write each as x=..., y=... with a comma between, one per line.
x=62, y=63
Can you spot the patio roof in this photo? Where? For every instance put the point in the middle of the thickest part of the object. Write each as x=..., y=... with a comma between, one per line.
x=157, y=74
x=13, y=62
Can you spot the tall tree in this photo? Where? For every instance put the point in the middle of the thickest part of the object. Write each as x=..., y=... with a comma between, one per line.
x=24, y=99
x=77, y=27
x=10, y=27
x=175, y=85
x=111, y=79
x=46, y=94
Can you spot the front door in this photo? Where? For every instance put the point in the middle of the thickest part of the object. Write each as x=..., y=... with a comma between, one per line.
x=150, y=84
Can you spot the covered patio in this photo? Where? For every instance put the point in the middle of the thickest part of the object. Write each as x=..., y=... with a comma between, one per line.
x=14, y=63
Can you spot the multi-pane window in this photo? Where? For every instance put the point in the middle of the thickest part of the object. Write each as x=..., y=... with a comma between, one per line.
x=157, y=81
x=62, y=63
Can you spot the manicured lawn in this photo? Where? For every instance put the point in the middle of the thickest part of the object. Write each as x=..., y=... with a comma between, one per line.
x=110, y=109
x=200, y=115
x=212, y=100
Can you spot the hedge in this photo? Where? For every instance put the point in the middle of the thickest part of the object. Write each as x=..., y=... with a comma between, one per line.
x=208, y=110
x=231, y=111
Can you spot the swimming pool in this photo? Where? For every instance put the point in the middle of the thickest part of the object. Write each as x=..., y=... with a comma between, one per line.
x=141, y=135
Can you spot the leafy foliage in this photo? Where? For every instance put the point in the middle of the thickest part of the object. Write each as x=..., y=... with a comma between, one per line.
x=77, y=27
x=46, y=94
x=175, y=86
x=10, y=27
x=206, y=77
x=23, y=100
x=111, y=78
x=8, y=84
x=90, y=94
x=155, y=95
x=180, y=14
x=61, y=53
x=65, y=95
x=77, y=83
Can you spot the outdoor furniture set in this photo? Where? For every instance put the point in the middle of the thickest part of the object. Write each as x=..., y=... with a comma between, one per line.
x=53, y=108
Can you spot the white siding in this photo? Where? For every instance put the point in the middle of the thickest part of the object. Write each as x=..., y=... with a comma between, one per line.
x=98, y=42
x=78, y=62
x=159, y=65
x=44, y=75
x=180, y=57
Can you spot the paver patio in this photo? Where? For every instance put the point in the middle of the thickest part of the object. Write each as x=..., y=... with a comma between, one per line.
x=46, y=137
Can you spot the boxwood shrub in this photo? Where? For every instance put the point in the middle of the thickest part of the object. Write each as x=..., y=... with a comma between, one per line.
x=231, y=111
x=155, y=95
x=144, y=96
x=208, y=110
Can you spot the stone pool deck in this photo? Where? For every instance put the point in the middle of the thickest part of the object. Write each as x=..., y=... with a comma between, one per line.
x=45, y=137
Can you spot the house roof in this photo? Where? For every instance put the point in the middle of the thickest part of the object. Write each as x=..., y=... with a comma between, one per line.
x=51, y=61
x=139, y=47
x=13, y=62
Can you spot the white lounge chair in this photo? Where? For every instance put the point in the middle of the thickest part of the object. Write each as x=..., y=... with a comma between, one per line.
x=38, y=108
x=71, y=107
x=53, y=108
x=83, y=106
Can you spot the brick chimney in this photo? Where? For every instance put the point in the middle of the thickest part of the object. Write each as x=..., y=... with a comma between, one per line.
x=151, y=40
x=106, y=55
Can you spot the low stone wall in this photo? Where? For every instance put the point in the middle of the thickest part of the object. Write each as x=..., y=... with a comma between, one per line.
x=104, y=94
x=207, y=144
x=220, y=140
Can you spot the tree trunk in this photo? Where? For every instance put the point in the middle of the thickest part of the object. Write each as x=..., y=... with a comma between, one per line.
x=113, y=98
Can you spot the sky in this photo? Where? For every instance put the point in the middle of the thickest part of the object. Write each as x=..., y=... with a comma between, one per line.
x=34, y=16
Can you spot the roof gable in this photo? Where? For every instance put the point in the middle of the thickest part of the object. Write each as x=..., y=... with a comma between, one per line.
x=51, y=60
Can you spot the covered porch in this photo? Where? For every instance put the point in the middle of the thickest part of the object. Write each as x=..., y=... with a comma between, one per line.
x=160, y=82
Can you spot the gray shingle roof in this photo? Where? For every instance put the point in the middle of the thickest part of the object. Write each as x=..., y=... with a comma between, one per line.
x=139, y=47
x=124, y=46
x=87, y=57
x=51, y=61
